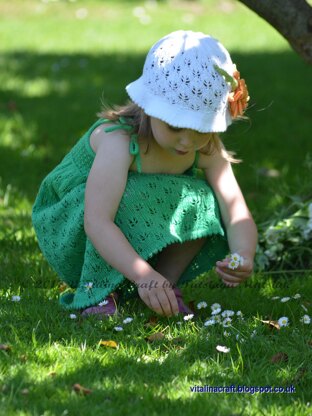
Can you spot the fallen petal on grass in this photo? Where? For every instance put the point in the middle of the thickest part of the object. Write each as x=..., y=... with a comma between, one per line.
x=222, y=348
x=279, y=357
x=78, y=388
x=157, y=336
x=110, y=344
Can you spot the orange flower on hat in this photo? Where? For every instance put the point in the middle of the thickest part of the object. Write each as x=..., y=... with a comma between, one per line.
x=238, y=98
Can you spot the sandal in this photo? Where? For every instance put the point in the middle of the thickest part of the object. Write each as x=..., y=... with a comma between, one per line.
x=182, y=307
x=107, y=307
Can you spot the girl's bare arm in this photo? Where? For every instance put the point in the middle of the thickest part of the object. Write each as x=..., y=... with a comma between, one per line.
x=104, y=189
x=240, y=226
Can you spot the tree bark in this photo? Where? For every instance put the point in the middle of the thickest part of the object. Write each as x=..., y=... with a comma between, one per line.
x=292, y=18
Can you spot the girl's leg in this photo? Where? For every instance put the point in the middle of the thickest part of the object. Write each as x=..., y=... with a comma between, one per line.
x=175, y=258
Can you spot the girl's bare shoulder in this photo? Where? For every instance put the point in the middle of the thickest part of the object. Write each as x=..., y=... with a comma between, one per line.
x=100, y=136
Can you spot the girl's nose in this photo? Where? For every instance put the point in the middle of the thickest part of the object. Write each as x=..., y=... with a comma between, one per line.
x=186, y=142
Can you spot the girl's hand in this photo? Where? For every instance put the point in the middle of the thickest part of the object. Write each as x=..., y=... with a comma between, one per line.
x=233, y=278
x=157, y=293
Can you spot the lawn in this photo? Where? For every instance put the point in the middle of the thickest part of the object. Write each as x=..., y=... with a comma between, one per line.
x=58, y=61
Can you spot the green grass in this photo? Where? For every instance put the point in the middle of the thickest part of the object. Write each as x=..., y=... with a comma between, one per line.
x=54, y=71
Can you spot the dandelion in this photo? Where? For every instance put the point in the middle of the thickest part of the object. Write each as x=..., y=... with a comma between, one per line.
x=297, y=296
x=188, y=317
x=222, y=348
x=285, y=299
x=306, y=319
x=216, y=308
x=210, y=322
x=226, y=322
x=127, y=320
x=283, y=321
x=202, y=305
x=118, y=328
x=73, y=316
x=16, y=298
x=227, y=313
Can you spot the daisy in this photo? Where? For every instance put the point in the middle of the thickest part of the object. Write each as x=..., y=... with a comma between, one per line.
x=188, y=317
x=306, y=319
x=227, y=334
x=275, y=297
x=233, y=264
x=127, y=320
x=297, y=296
x=236, y=257
x=73, y=316
x=16, y=298
x=216, y=308
x=283, y=321
x=222, y=348
x=227, y=313
x=239, y=314
x=210, y=322
x=285, y=299
x=226, y=322
x=118, y=328
x=202, y=305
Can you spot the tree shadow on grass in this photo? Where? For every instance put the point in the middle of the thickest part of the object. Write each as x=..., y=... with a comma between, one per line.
x=54, y=99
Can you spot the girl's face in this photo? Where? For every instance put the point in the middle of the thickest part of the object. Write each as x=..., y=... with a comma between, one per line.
x=178, y=141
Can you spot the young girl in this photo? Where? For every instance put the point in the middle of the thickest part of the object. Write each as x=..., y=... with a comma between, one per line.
x=126, y=203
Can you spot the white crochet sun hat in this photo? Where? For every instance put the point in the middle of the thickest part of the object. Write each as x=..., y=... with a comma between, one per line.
x=180, y=85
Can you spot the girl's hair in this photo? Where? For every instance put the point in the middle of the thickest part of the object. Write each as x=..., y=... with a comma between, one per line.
x=142, y=126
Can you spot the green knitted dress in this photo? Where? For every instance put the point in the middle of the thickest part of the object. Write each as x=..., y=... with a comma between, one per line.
x=156, y=210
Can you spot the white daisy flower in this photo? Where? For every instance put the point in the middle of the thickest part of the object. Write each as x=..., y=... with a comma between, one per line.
x=283, y=321
x=127, y=320
x=239, y=314
x=103, y=303
x=222, y=348
x=188, y=317
x=118, y=328
x=16, y=298
x=73, y=316
x=306, y=319
x=227, y=313
x=215, y=308
x=235, y=257
x=297, y=296
x=202, y=305
x=275, y=297
x=304, y=308
x=285, y=299
x=233, y=264
x=227, y=334
x=226, y=322
x=217, y=318
x=210, y=322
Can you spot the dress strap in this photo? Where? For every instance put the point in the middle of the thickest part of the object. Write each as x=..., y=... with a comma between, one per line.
x=195, y=164
x=134, y=148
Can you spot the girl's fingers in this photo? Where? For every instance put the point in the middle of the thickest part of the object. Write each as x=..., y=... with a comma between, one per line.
x=232, y=278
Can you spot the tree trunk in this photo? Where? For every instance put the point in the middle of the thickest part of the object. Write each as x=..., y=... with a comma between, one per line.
x=292, y=18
